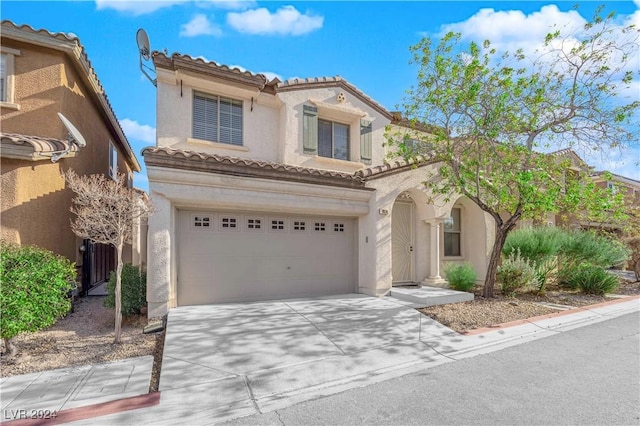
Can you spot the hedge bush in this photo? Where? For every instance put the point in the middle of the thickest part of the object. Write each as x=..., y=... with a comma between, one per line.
x=35, y=290
x=592, y=279
x=461, y=276
x=134, y=290
x=516, y=273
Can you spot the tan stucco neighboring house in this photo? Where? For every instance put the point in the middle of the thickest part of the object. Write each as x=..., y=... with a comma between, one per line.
x=269, y=189
x=44, y=74
x=581, y=170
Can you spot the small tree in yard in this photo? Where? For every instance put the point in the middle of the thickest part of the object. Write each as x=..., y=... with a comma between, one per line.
x=105, y=212
x=493, y=113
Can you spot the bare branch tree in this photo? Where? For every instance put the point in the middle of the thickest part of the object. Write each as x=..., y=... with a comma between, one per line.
x=106, y=211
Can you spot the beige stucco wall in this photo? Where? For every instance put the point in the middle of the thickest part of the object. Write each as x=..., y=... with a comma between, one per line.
x=348, y=112
x=35, y=200
x=174, y=117
x=272, y=124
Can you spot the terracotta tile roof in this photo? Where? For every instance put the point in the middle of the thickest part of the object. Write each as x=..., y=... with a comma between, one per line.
x=191, y=160
x=189, y=63
x=27, y=147
x=303, y=83
x=12, y=30
x=393, y=167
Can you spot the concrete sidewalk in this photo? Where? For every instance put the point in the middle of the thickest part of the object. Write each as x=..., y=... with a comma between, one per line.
x=269, y=358
x=47, y=393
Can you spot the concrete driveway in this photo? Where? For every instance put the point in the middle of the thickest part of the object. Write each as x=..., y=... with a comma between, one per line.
x=225, y=359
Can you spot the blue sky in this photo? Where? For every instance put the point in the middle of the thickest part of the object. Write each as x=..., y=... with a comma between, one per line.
x=365, y=42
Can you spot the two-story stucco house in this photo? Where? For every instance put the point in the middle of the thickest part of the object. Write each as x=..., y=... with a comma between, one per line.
x=268, y=189
x=43, y=74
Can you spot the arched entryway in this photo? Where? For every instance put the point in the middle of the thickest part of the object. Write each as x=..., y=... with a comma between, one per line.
x=403, y=240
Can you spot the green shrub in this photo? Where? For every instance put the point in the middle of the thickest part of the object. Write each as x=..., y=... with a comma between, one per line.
x=587, y=248
x=516, y=273
x=461, y=276
x=134, y=290
x=583, y=246
x=35, y=288
x=592, y=279
x=537, y=245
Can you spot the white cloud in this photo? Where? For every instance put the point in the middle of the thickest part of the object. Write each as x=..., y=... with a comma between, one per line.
x=136, y=7
x=227, y=4
x=199, y=25
x=512, y=29
x=140, y=132
x=142, y=7
x=269, y=74
x=286, y=20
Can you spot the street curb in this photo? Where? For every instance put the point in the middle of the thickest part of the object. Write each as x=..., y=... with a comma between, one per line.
x=547, y=316
x=90, y=411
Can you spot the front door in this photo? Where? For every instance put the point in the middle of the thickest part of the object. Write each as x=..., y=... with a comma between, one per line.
x=402, y=242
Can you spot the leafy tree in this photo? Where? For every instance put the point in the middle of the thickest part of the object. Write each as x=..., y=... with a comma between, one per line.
x=106, y=211
x=34, y=292
x=493, y=113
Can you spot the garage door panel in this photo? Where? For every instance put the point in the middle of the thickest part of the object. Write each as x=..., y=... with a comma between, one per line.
x=304, y=256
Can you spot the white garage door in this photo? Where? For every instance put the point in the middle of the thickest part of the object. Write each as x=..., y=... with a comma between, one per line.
x=229, y=257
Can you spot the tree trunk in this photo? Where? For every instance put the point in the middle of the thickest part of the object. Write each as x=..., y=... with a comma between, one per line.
x=494, y=260
x=118, y=328
x=10, y=348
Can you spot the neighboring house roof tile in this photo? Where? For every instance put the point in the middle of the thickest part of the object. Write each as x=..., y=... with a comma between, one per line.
x=317, y=82
x=621, y=178
x=34, y=148
x=572, y=155
x=191, y=160
x=72, y=46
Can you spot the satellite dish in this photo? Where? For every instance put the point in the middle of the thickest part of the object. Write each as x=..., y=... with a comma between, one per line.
x=143, y=43
x=144, y=48
x=74, y=137
x=74, y=134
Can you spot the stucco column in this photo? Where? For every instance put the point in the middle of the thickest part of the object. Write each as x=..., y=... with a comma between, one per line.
x=159, y=257
x=434, y=278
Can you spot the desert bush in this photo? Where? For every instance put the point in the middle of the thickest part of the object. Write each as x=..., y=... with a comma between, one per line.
x=583, y=248
x=592, y=279
x=461, y=276
x=516, y=273
x=536, y=244
x=134, y=290
x=35, y=290
x=539, y=246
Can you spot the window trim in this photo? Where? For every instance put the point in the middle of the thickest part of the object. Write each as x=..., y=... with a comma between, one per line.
x=9, y=84
x=113, y=161
x=333, y=138
x=218, y=127
x=459, y=233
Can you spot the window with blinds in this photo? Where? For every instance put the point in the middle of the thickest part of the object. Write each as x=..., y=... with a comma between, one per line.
x=217, y=119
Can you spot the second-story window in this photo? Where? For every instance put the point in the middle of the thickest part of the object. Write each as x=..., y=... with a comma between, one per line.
x=217, y=119
x=325, y=138
x=333, y=140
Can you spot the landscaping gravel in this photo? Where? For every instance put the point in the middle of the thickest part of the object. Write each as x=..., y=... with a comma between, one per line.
x=83, y=337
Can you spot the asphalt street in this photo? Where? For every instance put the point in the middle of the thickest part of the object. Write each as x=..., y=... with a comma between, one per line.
x=589, y=375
